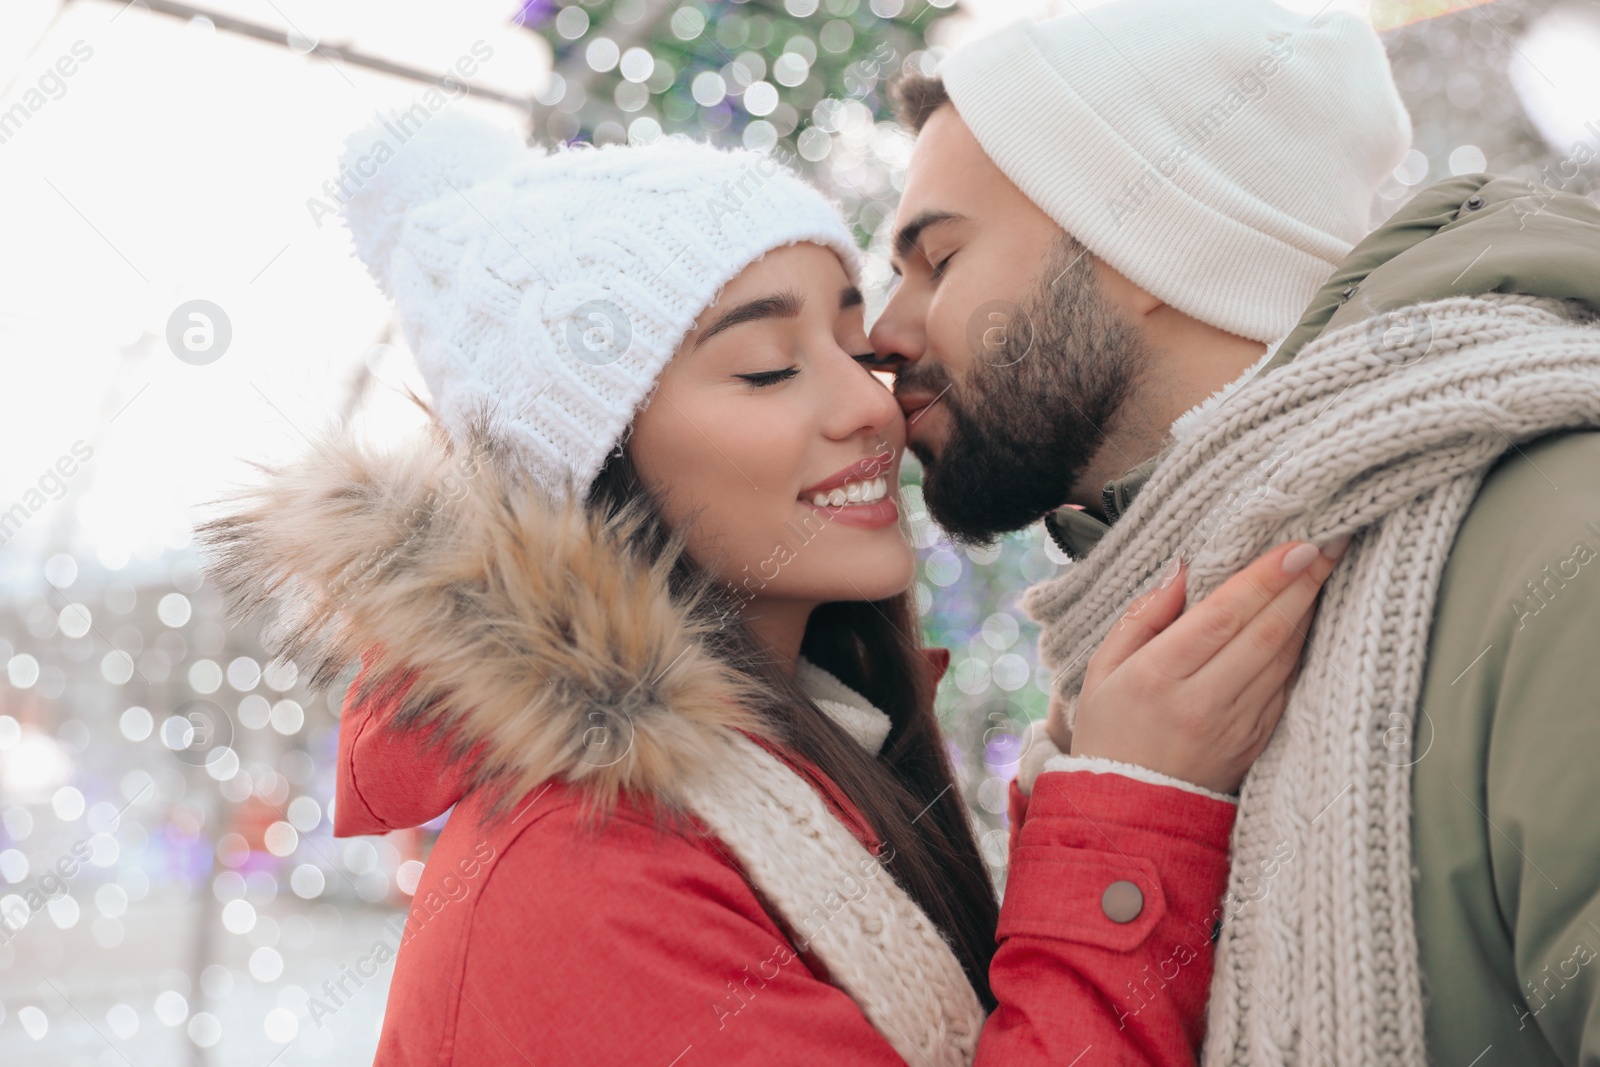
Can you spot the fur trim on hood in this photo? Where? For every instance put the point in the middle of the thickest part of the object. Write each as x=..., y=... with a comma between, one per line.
x=537, y=638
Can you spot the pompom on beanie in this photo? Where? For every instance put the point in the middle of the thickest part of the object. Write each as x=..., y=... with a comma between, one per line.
x=1222, y=156
x=550, y=288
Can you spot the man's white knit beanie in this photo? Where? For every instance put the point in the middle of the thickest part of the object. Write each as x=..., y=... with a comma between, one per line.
x=1223, y=156
x=551, y=288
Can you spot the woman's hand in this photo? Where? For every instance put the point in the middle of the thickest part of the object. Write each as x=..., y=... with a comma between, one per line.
x=1195, y=695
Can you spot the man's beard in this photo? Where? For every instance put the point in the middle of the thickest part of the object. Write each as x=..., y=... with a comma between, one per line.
x=1033, y=410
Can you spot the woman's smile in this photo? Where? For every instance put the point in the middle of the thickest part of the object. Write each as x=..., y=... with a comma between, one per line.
x=870, y=515
x=859, y=495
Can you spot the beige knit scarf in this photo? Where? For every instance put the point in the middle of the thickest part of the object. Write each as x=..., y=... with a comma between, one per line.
x=1384, y=430
x=833, y=897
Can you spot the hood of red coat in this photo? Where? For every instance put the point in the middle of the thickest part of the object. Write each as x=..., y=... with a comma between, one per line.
x=505, y=637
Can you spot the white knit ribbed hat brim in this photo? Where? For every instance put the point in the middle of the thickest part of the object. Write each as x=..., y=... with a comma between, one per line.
x=1223, y=157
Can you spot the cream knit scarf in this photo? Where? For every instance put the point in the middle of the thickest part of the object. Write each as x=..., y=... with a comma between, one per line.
x=833, y=897
x=1384, y=430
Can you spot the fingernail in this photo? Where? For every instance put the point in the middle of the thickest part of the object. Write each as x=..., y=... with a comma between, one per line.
x=1299, y=558
x=1170, y=571
x=1336, y=548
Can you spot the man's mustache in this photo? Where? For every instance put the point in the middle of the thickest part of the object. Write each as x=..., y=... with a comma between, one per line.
x=919, y=378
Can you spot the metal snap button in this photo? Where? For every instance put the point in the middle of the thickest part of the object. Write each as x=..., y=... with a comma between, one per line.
x=1122, y=902
x=1475, y=202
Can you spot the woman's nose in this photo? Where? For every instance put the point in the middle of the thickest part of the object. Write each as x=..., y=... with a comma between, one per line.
x=865, y=403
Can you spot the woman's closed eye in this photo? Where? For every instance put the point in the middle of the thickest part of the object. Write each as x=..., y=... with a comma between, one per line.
x=761, y=379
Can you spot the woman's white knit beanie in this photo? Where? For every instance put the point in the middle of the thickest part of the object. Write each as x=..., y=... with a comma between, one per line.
x=550, y=288
x=1223, y=156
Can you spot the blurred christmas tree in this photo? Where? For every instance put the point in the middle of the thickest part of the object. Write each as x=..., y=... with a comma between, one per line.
x=805, y=78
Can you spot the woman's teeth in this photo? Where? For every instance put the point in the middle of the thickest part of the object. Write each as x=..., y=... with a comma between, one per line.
x=853, y=493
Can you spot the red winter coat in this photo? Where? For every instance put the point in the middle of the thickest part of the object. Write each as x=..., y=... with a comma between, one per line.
x=532, y=636
x=533, y=943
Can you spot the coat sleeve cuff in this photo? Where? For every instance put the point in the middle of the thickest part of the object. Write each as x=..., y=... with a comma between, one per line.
x=1131, y=770
x=1086, y=831
x=1040, y=754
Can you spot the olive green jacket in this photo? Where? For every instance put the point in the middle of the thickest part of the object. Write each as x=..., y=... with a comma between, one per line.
x=1506, y=754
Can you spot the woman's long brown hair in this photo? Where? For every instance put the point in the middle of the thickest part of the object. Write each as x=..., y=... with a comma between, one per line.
x=908, y=793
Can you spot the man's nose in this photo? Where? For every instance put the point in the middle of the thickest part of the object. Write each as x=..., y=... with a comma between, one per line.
x=897, y=338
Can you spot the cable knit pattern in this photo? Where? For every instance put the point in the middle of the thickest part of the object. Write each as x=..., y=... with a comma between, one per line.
x=552, y=287
x=1384, y=430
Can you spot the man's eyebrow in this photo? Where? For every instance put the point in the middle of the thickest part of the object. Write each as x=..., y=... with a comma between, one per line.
x=906, y=240
x=784, y=305
x=849, y=297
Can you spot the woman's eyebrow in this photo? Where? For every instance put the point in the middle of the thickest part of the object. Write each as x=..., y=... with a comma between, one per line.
x=784, y=305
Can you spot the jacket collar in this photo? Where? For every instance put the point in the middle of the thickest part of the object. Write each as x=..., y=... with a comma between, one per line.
x=854, y=713
x=1076, y=531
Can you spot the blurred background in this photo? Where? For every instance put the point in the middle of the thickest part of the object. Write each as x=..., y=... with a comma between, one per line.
x=169, y=889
